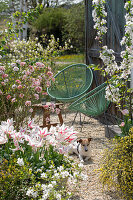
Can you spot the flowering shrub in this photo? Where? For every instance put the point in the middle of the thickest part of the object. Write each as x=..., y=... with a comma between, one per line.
x=50, y=169
x=116, y=166
x=33, y=50
x=118, y=75
x=22, y=85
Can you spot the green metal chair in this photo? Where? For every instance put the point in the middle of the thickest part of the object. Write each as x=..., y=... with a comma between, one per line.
x=71, y=82
x=92, y=103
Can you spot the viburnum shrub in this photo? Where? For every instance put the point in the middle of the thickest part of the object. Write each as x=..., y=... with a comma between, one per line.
x=33, y=50
x=117, y=75
x=21, y=85
x=116, y=167
x=30, y=147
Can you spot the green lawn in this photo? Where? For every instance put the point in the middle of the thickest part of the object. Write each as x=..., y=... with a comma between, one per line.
x=76, y=58
x=66, y=60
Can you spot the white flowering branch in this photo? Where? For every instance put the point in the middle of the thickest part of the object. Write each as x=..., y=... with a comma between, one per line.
x=117, y=75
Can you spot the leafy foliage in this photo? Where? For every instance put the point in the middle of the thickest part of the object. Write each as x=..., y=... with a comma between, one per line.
x=74, y=28
x=116, y=168
x=51, y=21
x=14, y=180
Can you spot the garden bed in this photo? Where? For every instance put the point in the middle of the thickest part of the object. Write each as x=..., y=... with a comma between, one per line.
x=89, y=189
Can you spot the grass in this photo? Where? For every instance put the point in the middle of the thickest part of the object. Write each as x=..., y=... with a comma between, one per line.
x=66, y=60
x=76, y=58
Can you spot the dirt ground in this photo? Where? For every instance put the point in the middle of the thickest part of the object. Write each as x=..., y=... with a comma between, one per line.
x=89, y=189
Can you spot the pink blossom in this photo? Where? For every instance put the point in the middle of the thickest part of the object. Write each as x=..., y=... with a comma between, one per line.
x=44, y=93
x=38, y=89
x=18, y=81
x=4, y=75
x=31, y=110
x=1, y=92
x=49, y=68
x=31, y=68
x=122, y=124
x=24, y=77
x=8, y=96
x=21, y=95
x=36, y=83
x=27, y=73
x=22, y=64
x=19, y=87
x=125, y=112
x=3, y=83
x=13, y=100
x=39, y=64
x=53, y=79
x=28, y=103
x=49, y=73
x=36, y=96
x=48, y=84
x=2, y=68
x=44, y=133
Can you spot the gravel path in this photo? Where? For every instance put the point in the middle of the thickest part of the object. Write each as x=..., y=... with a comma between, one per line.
x=89, y=189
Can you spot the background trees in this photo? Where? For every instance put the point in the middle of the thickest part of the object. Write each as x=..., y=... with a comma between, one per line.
x=65, y=22
x=63, y=19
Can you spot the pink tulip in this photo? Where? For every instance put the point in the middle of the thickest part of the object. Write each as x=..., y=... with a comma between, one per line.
x=122, y=124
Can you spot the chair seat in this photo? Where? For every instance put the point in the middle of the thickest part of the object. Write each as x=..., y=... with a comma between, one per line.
x=92, y=103
x=71, y=82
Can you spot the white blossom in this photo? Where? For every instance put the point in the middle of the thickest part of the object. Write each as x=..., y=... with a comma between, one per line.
x=20, y=161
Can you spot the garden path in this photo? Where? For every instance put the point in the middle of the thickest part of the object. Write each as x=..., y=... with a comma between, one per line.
x=90, y=189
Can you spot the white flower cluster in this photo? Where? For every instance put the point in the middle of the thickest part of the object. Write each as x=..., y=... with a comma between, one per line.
x=60, y=177
x=112, y=69
x=100, y=23
x=108, y=58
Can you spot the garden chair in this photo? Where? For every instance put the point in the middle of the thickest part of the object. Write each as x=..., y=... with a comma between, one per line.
x=92, y=103
x=71, y=83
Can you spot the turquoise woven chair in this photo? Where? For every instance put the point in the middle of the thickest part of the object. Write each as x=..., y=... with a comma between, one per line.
x=92, y=103
x=70, y=83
